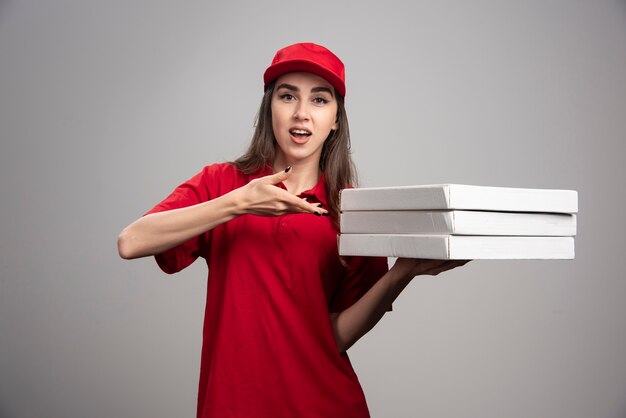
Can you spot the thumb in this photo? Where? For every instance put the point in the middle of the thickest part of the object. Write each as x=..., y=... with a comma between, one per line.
x=278, y=177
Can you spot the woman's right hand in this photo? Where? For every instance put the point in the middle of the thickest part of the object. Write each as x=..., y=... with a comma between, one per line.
x=261, y=197
x=157, y=232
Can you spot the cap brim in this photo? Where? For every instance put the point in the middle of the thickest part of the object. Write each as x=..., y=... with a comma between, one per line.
x=284, y=67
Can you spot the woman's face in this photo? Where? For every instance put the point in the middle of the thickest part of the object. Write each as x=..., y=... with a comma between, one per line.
x=304, y=111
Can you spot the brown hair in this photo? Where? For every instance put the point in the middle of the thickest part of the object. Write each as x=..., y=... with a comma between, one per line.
x=335, y=160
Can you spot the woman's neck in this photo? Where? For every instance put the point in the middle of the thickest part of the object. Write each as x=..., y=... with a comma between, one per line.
x=304, y=175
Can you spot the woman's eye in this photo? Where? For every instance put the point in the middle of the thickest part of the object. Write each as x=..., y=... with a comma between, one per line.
x=287, y=96
x=320, y=100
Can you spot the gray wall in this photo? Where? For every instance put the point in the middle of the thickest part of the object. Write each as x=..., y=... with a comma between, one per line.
x=106, y=105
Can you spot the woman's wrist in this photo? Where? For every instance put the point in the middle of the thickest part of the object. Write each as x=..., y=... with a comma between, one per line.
x=401, y=272
x=236, y=204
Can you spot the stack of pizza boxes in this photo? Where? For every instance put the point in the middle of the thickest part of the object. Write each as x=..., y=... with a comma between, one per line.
x=458, y=222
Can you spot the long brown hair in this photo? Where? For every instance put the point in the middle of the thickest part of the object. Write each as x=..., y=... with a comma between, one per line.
x=335, y=160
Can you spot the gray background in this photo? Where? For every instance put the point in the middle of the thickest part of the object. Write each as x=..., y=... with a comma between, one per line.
x=105, y=106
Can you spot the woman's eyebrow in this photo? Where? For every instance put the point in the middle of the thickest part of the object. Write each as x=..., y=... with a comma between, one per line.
x=322, y=90
x=288, y=87
x=319, y=89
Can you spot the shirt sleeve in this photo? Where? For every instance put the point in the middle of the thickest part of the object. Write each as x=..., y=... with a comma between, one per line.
x=361, y=274
x=195, y=190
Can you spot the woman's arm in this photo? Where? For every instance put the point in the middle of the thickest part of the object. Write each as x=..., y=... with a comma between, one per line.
x=158, y=232
x=354, y=322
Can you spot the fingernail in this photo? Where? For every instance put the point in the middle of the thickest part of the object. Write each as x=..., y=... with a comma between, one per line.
x=287, y=169
x=325, y=214
x=317, y=214
x=319, y=205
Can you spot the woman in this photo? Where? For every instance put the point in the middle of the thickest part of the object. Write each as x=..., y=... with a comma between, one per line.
x=282, y=306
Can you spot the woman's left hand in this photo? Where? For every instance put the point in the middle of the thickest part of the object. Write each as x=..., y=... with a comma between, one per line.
x=352, y=323
x=411, y=267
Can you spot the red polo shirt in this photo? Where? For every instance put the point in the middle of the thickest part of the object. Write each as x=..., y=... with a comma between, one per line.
x=268, y=346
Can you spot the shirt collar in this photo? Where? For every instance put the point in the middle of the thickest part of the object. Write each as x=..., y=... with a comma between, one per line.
x=318, y=191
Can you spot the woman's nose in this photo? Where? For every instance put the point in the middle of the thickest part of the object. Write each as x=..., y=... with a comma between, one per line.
x=301, y=112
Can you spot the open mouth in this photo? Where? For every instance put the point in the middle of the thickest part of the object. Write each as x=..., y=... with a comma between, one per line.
x=300, y=133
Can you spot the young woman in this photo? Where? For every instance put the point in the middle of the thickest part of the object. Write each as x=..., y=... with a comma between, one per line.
x=282, y=306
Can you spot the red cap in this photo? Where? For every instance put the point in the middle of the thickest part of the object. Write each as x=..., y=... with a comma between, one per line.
x=311, y=58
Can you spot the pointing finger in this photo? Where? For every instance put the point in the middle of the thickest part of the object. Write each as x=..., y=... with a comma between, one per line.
x=315, y=208
x=277, y=177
